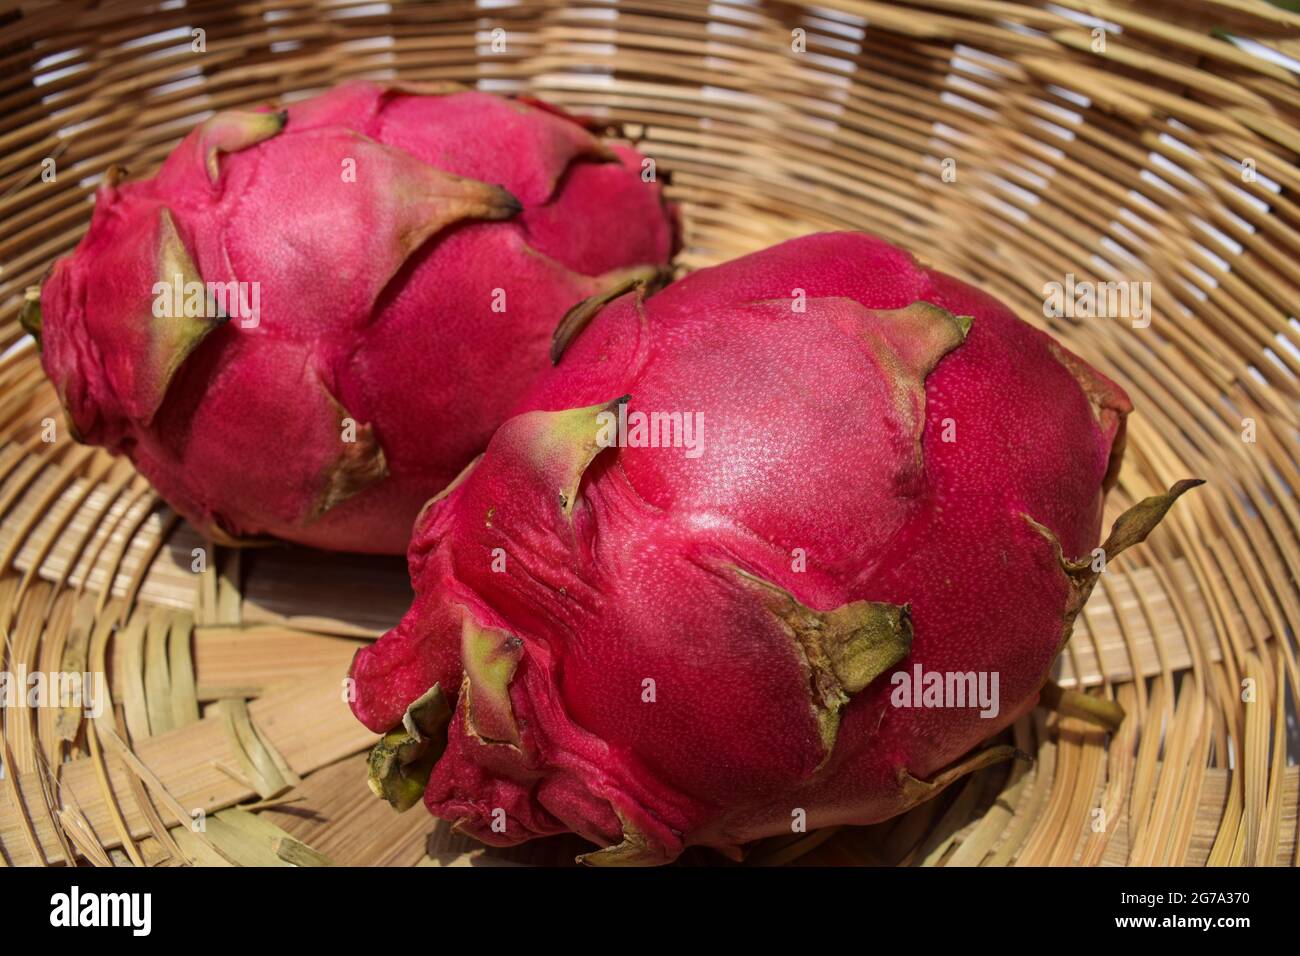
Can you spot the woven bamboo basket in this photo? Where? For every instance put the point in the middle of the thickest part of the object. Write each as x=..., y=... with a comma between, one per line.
x=1011, y=144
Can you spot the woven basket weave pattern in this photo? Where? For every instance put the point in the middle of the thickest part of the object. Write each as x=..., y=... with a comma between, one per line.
x=1014, y=145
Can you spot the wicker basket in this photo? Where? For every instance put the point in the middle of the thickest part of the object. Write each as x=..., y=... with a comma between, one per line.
x=1151, y=141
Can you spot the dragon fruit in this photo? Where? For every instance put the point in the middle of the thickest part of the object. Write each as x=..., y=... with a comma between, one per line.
x=310, y=319
x=657, y=636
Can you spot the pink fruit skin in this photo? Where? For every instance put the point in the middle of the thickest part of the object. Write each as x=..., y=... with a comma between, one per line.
x=357, y=303
x=805, y=446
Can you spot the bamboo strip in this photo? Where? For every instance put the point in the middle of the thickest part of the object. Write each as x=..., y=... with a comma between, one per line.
x=308, y=723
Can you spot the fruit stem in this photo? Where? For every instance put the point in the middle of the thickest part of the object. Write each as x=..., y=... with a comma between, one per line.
x=1101, y=711
x=29, y=316
x=399, y=766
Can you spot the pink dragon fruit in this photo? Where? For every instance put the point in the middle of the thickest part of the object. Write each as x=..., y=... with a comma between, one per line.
x=310, y=320
x=708, y=632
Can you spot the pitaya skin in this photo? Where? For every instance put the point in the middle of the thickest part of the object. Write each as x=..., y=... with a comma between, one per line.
x=377, y=297
x=823, y=431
